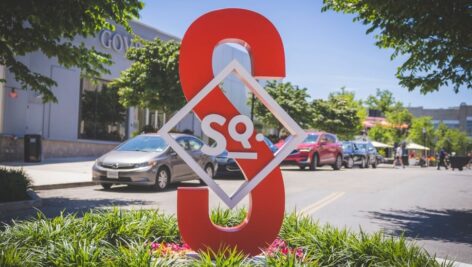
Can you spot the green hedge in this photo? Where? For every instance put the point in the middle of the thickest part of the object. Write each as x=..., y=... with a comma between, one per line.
x=13, y=185
x=125, y=238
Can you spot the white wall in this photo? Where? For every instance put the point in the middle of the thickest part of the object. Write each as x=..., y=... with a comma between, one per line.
x=26, y=114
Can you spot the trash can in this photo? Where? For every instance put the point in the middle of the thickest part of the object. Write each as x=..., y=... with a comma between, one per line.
x=32, y=148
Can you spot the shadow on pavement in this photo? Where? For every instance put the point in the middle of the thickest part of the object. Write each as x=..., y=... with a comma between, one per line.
x=147, y=189
x=443, y=225
x=55, y=205
x=48, y=161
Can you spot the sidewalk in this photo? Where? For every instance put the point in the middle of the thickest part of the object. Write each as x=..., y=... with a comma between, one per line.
x=57, y=173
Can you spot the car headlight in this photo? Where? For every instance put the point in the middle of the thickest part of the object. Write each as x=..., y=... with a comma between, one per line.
x=308, y=149
x=98, y=162
x=151, y=163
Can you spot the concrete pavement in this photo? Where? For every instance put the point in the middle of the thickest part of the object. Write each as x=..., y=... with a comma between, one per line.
x=57, y=173
x=433, y=208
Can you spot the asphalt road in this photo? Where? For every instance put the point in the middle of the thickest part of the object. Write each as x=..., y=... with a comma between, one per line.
x=432, y=207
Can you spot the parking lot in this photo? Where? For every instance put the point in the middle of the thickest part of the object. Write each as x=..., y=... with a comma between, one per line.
x=434, y=207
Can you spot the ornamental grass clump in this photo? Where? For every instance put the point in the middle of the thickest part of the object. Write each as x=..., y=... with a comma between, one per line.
x=151, y=238
x=13, y=185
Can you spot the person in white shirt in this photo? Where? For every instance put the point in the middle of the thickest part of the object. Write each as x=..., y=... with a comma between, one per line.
x=398, y=157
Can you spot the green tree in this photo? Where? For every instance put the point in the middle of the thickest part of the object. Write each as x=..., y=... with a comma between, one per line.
x=381, y=134
x=400, y=120
x=383, y=101
x=50, y=27
x=336, y=115
x=433, y=35
x=351, y=101
x=416, y=131
x=291, y=98
x=452, y=140
x=152, y=81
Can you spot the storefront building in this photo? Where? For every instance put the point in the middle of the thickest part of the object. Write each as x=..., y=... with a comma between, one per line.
x=88, y=120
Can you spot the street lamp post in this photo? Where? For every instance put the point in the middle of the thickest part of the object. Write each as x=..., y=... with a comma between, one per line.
x=424, y=142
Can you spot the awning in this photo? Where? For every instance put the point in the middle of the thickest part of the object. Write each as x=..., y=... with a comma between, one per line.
x=380, y=145
x=416, y=146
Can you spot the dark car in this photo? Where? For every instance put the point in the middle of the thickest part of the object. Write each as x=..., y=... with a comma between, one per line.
x=318, y=149
x=229, y=167
x=370, y=153
x=353, y=155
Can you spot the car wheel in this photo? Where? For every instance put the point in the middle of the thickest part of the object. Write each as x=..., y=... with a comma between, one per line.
x=350, y=163
x=374, y=165
x=106, y=186
x=363, y=163
x=367, y=162
x=314, y=162
x=209, y=171
x=162, y=179
x=338, y=163
x=302, y=167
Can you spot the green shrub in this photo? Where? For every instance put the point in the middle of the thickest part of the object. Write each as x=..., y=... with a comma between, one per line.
x=123, y=238
x=13, y=185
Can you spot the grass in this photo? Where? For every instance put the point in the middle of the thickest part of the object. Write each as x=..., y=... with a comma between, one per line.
x=13, y=185
x=125, y=238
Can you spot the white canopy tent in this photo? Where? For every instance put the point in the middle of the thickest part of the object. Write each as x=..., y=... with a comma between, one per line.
x=416, y=146
x=380, y=145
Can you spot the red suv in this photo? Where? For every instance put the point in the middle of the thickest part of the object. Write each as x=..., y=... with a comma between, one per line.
x=318, y=149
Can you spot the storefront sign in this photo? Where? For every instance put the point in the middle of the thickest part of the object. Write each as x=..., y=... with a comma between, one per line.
x=116, y=41
x=232, y=131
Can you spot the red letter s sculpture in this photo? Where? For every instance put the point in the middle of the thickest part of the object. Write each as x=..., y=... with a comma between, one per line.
x=267, y=200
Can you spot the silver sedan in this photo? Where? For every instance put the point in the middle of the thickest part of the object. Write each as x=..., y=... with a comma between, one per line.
x=148, y=160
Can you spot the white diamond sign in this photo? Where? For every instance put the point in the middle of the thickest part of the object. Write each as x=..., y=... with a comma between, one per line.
x=297, y=134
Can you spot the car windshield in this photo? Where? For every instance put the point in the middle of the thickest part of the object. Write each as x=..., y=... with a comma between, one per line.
x=362, y=146
x=144, y=143
x=311, y=138
x=346, y=146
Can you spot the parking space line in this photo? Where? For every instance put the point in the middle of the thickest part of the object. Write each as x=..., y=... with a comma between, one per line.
x=309, y=210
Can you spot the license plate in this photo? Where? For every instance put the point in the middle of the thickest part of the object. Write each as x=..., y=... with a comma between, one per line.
x=112, y=174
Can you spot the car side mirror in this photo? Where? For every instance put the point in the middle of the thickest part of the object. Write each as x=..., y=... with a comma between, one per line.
x=172, y=152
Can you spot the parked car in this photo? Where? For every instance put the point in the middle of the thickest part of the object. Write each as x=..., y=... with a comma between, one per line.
x=370, y=152
x=229, y=167
x=317, y=149
x=353, y=155
x=148, y=160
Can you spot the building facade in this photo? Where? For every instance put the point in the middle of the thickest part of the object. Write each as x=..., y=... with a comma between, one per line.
x=456, y=117
x=88, y=120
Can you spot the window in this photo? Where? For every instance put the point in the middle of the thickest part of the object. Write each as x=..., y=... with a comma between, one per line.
x=144, y=143
x=311, y=138
x=331, y=138
x=194, y=144
x=101, y=116
x=468, y=126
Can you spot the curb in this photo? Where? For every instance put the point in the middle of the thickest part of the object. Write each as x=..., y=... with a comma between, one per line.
x=35, y=202
x=455, y=263
x=63, y=186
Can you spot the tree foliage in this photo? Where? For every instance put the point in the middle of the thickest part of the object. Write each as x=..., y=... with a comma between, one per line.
x=433, y=35
x=338, y=114
x=383, y=101
x=381, y=134
x=416, y=134
x=50, y=27
x=152, y=81
x=400, y=120
x=291, y=98
x=452, y=140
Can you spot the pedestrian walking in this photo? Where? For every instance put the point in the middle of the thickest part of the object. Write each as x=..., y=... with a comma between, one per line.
x=442, y=158
x=398, y=156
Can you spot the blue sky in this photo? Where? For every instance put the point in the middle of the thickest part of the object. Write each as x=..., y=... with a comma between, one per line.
x=324, y=51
